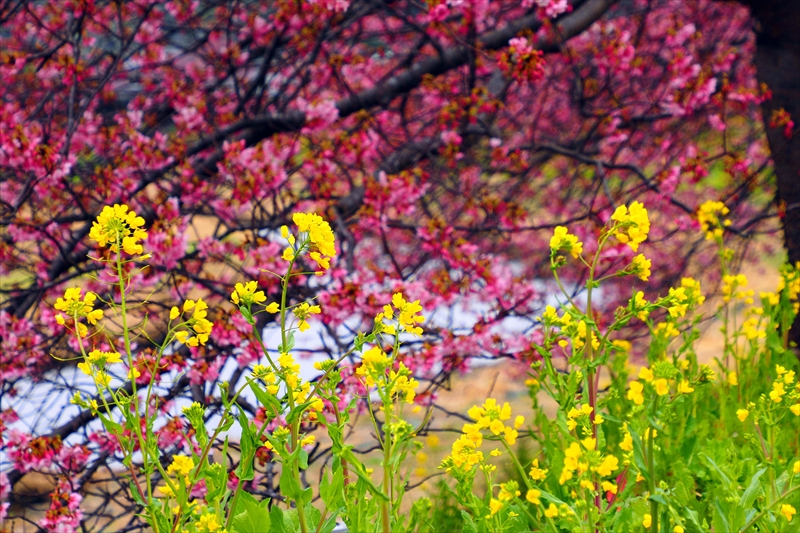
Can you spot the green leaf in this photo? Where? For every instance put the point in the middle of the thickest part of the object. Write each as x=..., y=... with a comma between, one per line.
x=290, y=488
x=719, y=519
x=266, y=399
x=245, y=470
x=276, y=520
x=111, y=426
x=161, y=524
x=726, y=481
x=638, y=455
x=254, y=518
x=469, y=524
x=135, y=494
x=247, y=314
x=751, y=493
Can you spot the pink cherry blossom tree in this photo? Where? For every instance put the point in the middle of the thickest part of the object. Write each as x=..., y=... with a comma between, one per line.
x=443, y=140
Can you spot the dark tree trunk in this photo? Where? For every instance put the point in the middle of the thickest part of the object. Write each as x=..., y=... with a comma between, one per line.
x=778, y=63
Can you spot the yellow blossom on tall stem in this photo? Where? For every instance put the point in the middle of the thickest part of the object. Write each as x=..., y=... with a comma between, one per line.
x=302, y=312
x=632, y=225
x=563, y=240
x=117, y=226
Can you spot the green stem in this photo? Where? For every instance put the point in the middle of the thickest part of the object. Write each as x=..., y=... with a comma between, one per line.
x=134, y=394
x=387, y=470
x=651, y=469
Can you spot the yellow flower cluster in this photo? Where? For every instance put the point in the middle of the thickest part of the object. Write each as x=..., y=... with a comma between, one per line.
x=290, y=371
x=581, y=413
x=562, y=240
x=200, y=326
x=407, y=318
x=583, y=457
x=658, y=378
x=302, y=312
x=208, y=523
x=709, y=216
x=320, y=242
x=247, y=295
x=640, y=267
x=181, y=465
x=119, y=226
x=373, y=370
x=632, y=225
x=268, y=377
x=731, y=288
x=491, y=416
x=75, y=308
x=97, y=360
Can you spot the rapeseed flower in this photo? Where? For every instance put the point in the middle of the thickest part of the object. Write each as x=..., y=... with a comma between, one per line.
x=709, y=216
x=302, y=312
x=319, y=232
x=635, y=393
x=562, y=240
x=247, y=294
x=632, y=225
x=75, y=308
x=181, y=465
x=640, y=266
x=198, y=324
x=119, y=226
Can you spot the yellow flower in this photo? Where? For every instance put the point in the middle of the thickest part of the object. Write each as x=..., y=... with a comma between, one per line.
x=627, y=442
x=181, y=465
x=788, y=511
x=495, y=506
x=274, y=307
x=562, y=240
x=641, y=267
x=685, y=387
x=536, y=473
x=247, y=294
x=118, y=226
x=76, y=308
x=646, y=374
x=319, y=232
x=796, y=467
x=795, y=409
x=708, y=215
x=208, y=523
x=678, y=529
x=635, y=393
x=632, y=225
x=174, y=313
x=609, y=487
x=552, y=511
x=408, y=311
x=742, y=414
x=302, y=312
x=518, y=421
x=647, y=521
x=733, y=379
x=533, y=496
x=662, y=387
x=510, y=436
x=777, y=392
x=609, y=465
